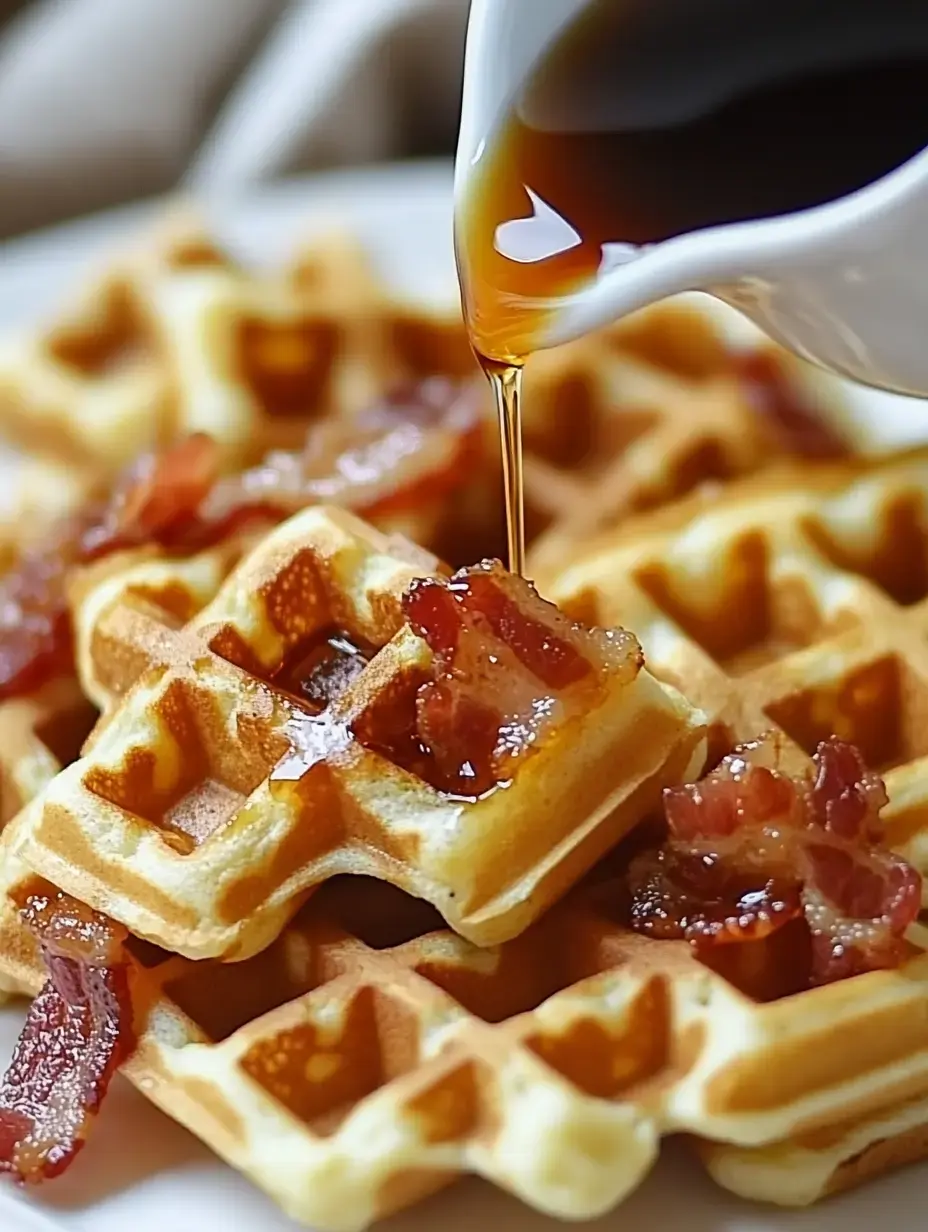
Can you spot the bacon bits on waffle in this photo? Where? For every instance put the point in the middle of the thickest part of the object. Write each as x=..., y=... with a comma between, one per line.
x=796, y=603
x=401, y=464
x=325, y=715
x=177, y=338
x=752, y=850
x=78, y=1032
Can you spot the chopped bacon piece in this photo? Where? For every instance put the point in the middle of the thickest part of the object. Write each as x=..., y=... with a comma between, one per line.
x=78, y=1032
x=413, y=448
x=751, y=848
x=797, y=424
x=506, y=665
x=35, y=628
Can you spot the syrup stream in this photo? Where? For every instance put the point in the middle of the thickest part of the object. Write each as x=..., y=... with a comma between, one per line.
x=506, y=383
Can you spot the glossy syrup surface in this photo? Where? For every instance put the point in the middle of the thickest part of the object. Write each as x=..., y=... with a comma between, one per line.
x=649, y=119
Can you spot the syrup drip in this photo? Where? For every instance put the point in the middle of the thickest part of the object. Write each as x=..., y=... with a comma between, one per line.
x=506, y=384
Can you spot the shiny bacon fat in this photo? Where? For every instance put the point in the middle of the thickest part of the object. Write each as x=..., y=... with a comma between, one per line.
x=506, y=665
x=78, y=1032
x=751, y=849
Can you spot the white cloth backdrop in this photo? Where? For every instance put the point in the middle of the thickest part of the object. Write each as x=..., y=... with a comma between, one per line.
x=105, y=100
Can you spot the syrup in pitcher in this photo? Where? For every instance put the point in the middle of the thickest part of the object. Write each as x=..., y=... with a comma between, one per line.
x=649, y=119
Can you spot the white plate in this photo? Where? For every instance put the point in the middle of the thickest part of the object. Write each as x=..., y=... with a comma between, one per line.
x=142, y=1172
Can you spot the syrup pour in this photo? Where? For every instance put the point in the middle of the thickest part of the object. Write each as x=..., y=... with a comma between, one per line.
x=649, y=119
x=506, y=384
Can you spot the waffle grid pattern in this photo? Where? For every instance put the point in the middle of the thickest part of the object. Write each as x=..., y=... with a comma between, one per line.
x=212, y=800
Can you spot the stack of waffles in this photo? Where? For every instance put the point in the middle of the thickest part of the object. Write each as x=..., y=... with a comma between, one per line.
x=215, y=795
x=351, y=976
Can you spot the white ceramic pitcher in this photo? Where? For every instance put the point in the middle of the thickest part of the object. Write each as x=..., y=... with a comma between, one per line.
x=844, y=284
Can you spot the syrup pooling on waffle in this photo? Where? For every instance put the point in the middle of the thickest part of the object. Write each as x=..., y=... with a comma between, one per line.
x=753, y=850
x=506, y=665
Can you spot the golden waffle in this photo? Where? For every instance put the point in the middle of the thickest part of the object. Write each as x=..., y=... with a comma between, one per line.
x=171, y=590
x=176, y=338
x=649, y=409
x=797, y=602
x=45, y=730
x=90, y=390
x=174, y=825
x=364, y=1060
x=334, y=277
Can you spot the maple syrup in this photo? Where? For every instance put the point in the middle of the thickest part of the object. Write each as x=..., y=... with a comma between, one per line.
x=647, y=120
x=506, y=384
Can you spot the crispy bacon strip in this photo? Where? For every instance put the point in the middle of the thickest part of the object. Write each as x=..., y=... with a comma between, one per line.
x=155, y=498
x=506, y=664
x=79, y=1031
x=415, y=447
x=751, y=849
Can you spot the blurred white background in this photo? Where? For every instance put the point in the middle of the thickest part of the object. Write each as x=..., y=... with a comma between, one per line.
x=105, y=101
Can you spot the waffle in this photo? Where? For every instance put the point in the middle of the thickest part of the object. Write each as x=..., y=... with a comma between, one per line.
x=797, y=602
x=203, y=814
x=651, y=408
x=814, y=1165
x=45, y=731
x=88, y=391
x=368, y=1058
x=176, y=338
x=169, y=590
x=38, y=735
